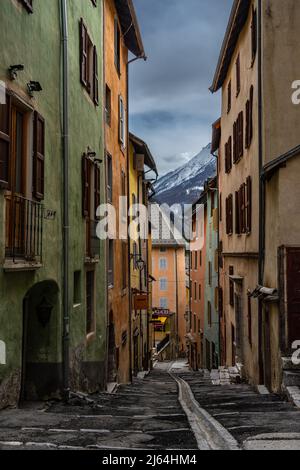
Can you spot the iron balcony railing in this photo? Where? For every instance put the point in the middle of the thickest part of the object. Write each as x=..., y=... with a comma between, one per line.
x=24, y=229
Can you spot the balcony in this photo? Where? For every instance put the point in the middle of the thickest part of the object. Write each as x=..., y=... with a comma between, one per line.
x=23, y=231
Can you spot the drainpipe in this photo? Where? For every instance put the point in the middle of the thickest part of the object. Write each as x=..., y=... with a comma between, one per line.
x=261, y=196
x=128, y=217
x=66, y=228
x=219, y=254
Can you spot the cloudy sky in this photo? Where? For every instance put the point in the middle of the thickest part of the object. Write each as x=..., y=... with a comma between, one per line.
x=171, y=107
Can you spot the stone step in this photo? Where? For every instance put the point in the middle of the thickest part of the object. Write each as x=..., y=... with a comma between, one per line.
x=291, y=378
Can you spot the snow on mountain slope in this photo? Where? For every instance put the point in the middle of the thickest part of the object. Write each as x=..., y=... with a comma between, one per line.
x=185, y=184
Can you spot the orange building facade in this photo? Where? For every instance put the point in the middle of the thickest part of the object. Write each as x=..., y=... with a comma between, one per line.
x=121, y=35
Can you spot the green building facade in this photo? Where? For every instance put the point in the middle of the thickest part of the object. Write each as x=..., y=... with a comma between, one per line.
x=211, y=321
x=41, y=307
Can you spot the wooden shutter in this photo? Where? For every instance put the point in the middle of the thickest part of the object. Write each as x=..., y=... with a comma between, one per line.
x=247, y=140
x=241, y=135
x=5, y=131
x=85, y=186
x=251, y=115
x=243, y=207
x=226, y=158
x=238, y=75
x=249, y=205
x=97, y=188
x=237, y=213
x=230, y=152
x=83, y=54
x=38, y=156
x=254, y=34
x=235, y=147
x=95, y=77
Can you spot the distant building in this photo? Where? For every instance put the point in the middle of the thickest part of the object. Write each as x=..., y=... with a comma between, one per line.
x=168, y=265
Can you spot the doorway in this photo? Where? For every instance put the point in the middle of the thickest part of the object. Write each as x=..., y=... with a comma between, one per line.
x=41, y=376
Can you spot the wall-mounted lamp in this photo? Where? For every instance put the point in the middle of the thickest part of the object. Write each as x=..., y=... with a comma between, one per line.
x=138, y=261
x=14, y=69
x=33, y=87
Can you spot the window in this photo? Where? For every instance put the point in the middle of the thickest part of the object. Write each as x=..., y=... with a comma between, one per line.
x=90, y=302
x=88, y=64
x=117, y=33
x=238, y=138
x=162, y=250
x=28, y=4
x=91, y=181
x=231, y=287
x=229, y=215
x=254, y=34
x=200, y=258
x=77, y=288
x=109, y=179
x=124, y=255
x=249, y=119
x=229, y=97
x=195, y=291
x=163, y=284
x=238, y=75
x=111, y=263
x=196, y=261
x=228, y=155
x=108, y=105
x=243, y=209
x=122, y=122
x=163, y=302
x=209, y=314
x=200, y=291
x=249, y=320
x=162, y=264
x=124, y=198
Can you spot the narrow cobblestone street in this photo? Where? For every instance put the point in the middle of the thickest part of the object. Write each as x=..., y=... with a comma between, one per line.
x=158, y=412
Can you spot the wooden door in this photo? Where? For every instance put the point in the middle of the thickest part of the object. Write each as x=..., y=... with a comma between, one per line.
x=293, y=294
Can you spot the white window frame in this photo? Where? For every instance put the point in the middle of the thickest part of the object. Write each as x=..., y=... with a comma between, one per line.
x=122, y=122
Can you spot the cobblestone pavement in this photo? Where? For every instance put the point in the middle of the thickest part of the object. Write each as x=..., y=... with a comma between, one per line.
x=144, y=415
x=170, y=409
x=256, y=421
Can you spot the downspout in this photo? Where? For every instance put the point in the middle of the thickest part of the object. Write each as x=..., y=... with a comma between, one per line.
x=220, y=254
x=261, y=196
x=66, y=228
x=128, y=217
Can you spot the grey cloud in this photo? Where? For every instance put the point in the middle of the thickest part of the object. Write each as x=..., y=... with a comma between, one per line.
x=171, y=107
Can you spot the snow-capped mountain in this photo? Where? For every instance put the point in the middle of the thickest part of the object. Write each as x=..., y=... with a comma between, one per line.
x=185, y=184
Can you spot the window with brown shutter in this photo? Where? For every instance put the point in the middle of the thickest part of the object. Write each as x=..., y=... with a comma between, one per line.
x=117, y=34
x=249, y=205
x=240, y=135
x=238, y=75
x=39, y=157
x=86, y=175
x=254, y=34
x=228, y=155
x=247, y=143
x=249, y=118
x=235, y=142
x=89, y=73
x=5, y=139
x=95, y=78
x=229, y=97
x=243, y=207
x=229, y=215
x=83, y=53
x=237, y=214
x=231, y=287
x=97, y=189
